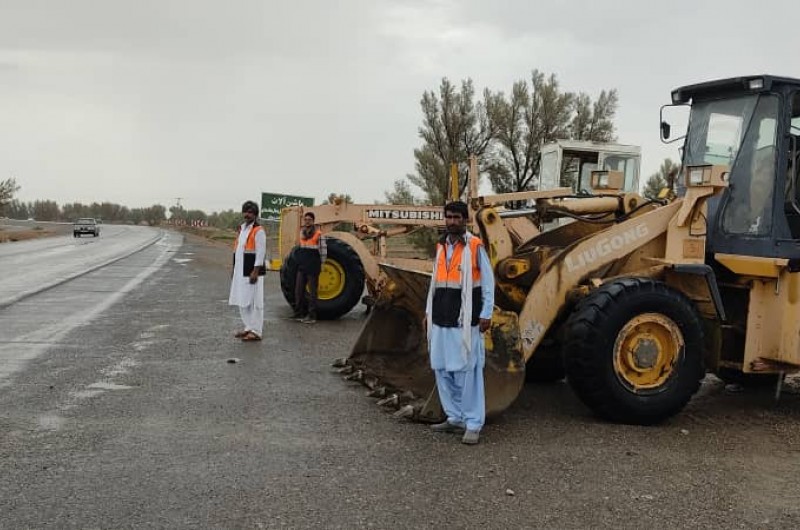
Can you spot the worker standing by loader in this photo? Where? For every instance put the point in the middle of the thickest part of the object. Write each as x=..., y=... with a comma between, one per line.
x=311, y=253
x=247, y=274
x=458, y=312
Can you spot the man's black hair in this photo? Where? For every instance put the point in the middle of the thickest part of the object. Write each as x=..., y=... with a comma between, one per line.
x=457, y=207
x=311, y=215
x=250, y=206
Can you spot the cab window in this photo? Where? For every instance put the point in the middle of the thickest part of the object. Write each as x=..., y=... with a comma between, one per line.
x=748, y=209
x=792, y=202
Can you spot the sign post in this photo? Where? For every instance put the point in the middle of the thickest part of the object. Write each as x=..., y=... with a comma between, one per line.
x=271, y=204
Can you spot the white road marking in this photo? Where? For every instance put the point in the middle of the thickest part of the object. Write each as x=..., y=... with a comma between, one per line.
x=15, y=356
x=109, y=386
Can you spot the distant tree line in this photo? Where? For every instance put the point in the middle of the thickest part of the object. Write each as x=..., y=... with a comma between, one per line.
x=46, y=210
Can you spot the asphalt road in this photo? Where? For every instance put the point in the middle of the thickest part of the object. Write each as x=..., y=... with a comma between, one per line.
x=28, y=266
x=123, y=412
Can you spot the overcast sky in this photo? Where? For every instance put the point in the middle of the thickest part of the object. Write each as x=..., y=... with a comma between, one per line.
x=142, y=101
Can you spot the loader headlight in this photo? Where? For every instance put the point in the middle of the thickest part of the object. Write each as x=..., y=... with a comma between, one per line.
x=698, y=175
x=695, y=176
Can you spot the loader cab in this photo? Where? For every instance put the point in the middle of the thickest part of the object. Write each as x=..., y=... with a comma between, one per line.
x=569, y=163
x=752, y=126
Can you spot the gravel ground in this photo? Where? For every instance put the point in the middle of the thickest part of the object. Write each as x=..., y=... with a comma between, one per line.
x=174, y=436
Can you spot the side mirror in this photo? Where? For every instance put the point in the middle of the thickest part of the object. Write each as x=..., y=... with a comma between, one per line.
x=665, y=130
x=674, y=114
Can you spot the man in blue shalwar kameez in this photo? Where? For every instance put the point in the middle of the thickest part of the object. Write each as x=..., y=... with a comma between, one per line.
x=458, y=312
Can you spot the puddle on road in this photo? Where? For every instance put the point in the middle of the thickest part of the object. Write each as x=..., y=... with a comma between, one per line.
x=109, y=386
x=85, y=394
x=142, y=345
x=50, y=422
x=120, y=368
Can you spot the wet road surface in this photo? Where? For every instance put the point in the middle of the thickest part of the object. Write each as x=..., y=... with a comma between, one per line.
x=29, y=266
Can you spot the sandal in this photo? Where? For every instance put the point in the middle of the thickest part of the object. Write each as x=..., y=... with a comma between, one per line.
x=250, y=336
x=240, y=334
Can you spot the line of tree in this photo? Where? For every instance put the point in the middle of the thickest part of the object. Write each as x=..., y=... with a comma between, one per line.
x=47, y=210
x=505, y=131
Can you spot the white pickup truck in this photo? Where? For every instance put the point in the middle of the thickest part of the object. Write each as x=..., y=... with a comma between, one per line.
x=85, y=225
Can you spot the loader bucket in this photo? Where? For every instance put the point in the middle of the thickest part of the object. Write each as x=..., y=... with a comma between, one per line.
x=390, y=356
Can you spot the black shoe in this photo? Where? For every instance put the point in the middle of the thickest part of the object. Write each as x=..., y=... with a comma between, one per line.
x=446, y=426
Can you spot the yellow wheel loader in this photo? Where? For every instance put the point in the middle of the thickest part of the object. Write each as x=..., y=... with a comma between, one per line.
x=633, y=299
x=357, y=234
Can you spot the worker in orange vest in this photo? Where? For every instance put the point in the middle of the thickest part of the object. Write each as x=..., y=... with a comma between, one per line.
x=458, y=312
x=310, y=255
x=247, y=277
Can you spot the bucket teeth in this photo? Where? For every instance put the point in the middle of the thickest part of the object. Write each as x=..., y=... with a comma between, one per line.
x=407, y=396
x=391, y=401
x=358, y=375
x=370, y=381
x=377, y=392
x=339, y=362
x=406, y=411
x=346, y=370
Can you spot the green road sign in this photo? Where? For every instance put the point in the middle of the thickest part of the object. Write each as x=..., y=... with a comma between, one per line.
x=271, y=204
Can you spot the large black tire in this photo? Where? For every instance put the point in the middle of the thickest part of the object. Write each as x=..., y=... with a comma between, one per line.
x=343, y=264
x=591, y=341
x=546, y=365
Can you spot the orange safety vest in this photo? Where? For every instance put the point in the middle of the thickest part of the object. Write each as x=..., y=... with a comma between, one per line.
x=312, y=242
x=250, y=251
x=447, y=285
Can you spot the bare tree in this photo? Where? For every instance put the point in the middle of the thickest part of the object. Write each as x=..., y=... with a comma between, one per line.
x=663, y=178
x=8, y=188
x=336, y=198
x=45, y=210
x=454, y=126
x=536, y=114
x=401, y=194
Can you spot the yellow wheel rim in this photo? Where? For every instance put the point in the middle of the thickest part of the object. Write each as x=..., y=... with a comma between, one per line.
x=646, y=351
x=331, y=280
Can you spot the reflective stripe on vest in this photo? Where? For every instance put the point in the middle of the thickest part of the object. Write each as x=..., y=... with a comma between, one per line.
x=447, y=292
x=312, y=242
x=451, y=278
x=250, y=242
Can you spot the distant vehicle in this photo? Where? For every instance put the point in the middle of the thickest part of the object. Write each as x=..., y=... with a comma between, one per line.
x=85, y=225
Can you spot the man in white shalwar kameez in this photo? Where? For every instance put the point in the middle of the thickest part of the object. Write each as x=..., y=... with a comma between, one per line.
x=247, y=279
x=458, y=312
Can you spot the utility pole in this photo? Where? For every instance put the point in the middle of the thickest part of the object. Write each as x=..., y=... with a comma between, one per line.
x=178, y=201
